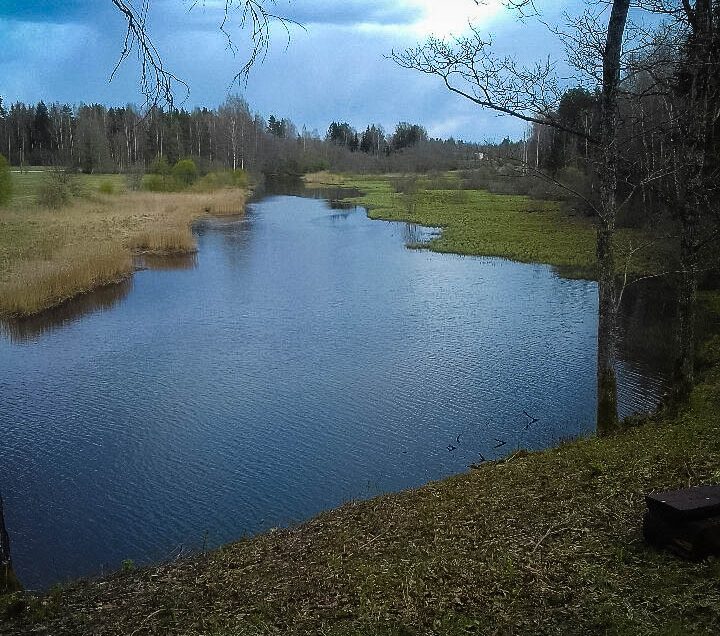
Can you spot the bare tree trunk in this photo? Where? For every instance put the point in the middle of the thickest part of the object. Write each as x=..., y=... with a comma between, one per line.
x=687, y=301
x=8, y=580
x=607, y=416
x=698, y=87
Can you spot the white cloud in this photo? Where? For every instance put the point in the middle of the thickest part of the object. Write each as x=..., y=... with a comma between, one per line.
x=452, y=17
x=441, y=19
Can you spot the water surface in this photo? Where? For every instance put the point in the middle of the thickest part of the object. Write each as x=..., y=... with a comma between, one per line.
x=303, y=358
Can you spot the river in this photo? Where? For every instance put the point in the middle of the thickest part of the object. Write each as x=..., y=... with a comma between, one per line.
x=302, y=358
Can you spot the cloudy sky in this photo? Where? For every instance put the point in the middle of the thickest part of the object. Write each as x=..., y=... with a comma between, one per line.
x=334, y=68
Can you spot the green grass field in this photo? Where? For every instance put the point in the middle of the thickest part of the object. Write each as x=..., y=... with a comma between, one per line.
x=28, y=181
x=476, y=222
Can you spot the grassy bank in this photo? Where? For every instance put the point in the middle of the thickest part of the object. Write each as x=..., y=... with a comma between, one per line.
x=50, y=255
x=541, y=543
x=477, y=222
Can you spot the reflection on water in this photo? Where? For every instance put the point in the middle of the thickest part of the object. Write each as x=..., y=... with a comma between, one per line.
x=305, y=358
x=334, y=196
x=647, y=346
x=416, y=235
x=166, y=263
x=23, y=330
x=647, y=319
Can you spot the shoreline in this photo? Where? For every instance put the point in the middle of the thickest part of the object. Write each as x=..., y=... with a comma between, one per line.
x=538, y=542
x=480, y=223
x=120, y=229
x=552, y=536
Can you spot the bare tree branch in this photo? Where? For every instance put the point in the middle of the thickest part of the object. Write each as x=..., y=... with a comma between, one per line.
x=158, y=84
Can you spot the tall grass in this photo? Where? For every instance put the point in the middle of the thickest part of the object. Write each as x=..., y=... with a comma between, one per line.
x=49, y=256
x=164, y=240
x=41, y=284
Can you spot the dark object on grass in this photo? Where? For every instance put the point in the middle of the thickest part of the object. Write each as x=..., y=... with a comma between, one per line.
x=686, y=521
x=8, y=580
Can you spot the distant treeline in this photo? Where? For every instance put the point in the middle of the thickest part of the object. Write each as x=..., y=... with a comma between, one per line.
x=95, y=138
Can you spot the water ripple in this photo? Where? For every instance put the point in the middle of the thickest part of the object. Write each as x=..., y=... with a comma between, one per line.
x=304, y=359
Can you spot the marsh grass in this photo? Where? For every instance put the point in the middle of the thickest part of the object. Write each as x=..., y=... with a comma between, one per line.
x=40, y=284
x=165, y=239
x=50, y=255
x=478, y=222
x=323, y=178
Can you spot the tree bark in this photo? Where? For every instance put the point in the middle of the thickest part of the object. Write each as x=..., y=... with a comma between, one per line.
x=698, y=90
x=687, y=302
x=607, y=415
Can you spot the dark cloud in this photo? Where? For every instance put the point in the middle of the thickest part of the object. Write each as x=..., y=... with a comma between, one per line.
x=329, y=71
x=348, y=12
x=54, y=11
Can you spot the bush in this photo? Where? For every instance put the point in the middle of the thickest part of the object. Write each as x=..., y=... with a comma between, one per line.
x=106, y=187
x=6, y=185
x=159, y=183
x=222, y=179
x=160, y=166
x=57, y=190
x=406, y=184
x=440, y=181
x=479, y=178
x=134, y=177
x=185, y=172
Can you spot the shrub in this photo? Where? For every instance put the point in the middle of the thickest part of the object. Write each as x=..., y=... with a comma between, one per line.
x=406, y=184
x=6, y=185
x=160, y=166
x=57, y=190
x=185, y=172
x=159, y=183
x=106, y=187
x=134, y=177
x=479, y=178
x=439, y=181
x=222, y=179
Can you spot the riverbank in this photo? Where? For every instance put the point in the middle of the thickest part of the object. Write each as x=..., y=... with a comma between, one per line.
x=539, y=543
x=479, y=223
x=48, y=256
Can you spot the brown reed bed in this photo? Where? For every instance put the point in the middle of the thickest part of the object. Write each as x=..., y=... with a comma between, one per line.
x=50, y=256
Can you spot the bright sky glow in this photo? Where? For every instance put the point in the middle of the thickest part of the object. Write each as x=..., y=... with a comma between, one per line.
x=451, y=17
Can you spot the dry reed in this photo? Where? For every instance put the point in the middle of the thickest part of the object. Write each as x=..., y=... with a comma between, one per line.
x=52, y=256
